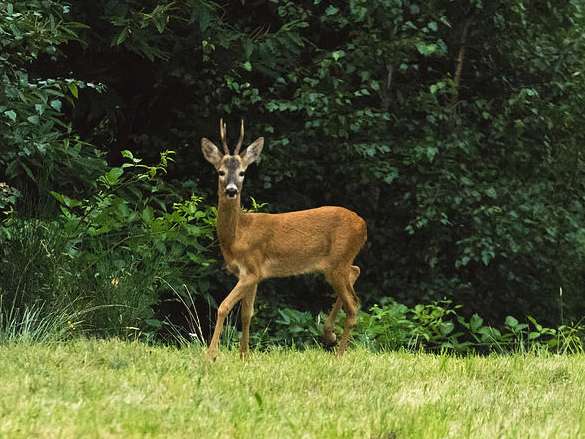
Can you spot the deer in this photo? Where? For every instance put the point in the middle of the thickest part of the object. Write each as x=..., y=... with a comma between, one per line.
x=258, y=246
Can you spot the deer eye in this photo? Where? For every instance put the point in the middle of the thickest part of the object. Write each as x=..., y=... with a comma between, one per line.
x=241, y=173
x=221, y=173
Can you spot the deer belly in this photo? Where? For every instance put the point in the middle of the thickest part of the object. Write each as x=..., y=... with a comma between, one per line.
x=292, y=266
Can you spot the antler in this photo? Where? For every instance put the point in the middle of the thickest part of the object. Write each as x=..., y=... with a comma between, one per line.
x=239, y=145
x=222, y=132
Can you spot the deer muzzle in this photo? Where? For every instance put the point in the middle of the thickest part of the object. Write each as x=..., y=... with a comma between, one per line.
x=231, y=190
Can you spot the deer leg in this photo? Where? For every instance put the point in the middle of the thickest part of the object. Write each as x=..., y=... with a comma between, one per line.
x=342, y=283
x=246, y=314
x=329, y=328
x=329, y=335
x=226, y=306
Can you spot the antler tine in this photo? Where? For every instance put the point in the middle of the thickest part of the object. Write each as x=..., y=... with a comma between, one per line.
x=241, y=140
x=222, y=132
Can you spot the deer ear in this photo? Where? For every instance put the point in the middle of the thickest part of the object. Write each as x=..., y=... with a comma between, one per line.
x=252, y=152
x=211, y=152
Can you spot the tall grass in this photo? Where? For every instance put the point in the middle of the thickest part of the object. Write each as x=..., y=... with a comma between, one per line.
x=34, y=324
x=52, y=286
x=191, y=332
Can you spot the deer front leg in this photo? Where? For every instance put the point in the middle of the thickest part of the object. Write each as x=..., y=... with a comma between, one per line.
x=226, y=306
x=246, y=314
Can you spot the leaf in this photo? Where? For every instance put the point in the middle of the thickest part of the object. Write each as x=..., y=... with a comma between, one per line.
x=147, y=214
x=56, y=104
x=122, y=36
x=446, y=328
x=70, y=202
x=74, y=90
x=511, y=322
x=426, y=49
x=338, y=54
x=475, y=322
x=160, y=22
x=11, y=115
x=113, y=175
x=127, y=154
x=34, y=119
x=247, y=66
x=331, y=10
x=491, y=192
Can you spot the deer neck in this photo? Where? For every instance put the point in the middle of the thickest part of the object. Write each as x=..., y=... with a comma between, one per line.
x=228, y=218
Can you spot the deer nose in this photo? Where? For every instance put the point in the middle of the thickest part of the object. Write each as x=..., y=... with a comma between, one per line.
x=231, y=190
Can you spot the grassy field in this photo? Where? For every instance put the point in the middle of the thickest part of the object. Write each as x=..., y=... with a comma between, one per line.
x=121, y=389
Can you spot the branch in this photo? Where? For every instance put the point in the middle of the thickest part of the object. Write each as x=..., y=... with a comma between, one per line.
x=461, y=58
x=385, y=93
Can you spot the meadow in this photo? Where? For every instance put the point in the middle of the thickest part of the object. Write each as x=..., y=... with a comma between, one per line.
x=113, y=388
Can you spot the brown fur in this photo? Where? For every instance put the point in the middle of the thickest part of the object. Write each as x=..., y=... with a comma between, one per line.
x=257, y=246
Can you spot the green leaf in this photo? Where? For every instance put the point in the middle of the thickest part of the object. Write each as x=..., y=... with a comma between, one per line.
x=247, y=66
x=74, y=90
x=426, y=49
x=56, y=104
x=160, y=22
x=34, y=119
x=491, y=192
x=122, y=36
x=11, y=115
x=127, y=154
x=338, y=54
x=475, y=322
x=113, y=175
x=147, y=215
x=511, y=322
x=331, y=10
x=446, y=328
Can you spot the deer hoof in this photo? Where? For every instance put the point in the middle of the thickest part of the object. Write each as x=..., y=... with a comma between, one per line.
x=211, y=355
x=329, y=339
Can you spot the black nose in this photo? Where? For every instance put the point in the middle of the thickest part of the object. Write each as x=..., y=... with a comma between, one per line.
x=231, y=192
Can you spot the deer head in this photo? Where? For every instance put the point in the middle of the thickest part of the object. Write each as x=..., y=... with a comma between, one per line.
x=231, y=168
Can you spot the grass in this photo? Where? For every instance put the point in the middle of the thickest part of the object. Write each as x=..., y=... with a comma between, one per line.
x=123, y=389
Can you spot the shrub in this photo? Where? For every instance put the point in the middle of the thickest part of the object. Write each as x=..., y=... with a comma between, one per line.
x=434, y=327
x=114, y=252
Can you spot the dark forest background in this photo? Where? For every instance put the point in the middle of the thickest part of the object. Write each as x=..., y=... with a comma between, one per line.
x=455, y=128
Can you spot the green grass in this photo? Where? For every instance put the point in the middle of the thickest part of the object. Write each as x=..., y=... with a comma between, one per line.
x=121, y=389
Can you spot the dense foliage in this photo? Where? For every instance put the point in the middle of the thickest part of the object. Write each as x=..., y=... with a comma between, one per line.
x=453, y=127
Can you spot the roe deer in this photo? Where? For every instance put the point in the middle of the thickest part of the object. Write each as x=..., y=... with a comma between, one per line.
x=258, y=246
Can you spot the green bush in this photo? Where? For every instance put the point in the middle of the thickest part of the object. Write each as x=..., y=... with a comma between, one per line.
x=114, y=253
x=434, y=327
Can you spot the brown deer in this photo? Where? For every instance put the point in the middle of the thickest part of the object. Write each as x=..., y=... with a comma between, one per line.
x=258, y=246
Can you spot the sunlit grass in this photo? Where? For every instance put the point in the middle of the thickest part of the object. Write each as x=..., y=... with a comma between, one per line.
x=121, y=389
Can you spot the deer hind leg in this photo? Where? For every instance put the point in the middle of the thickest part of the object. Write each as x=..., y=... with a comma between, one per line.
x=342, y=282
x=246, y=314
x=240, y=290
x=329, y=335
